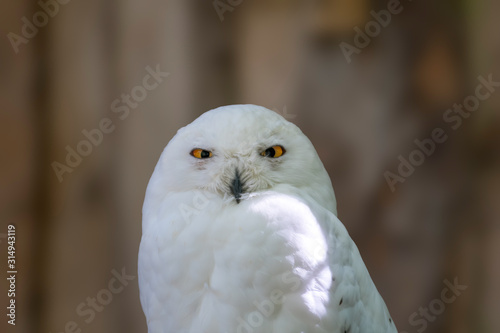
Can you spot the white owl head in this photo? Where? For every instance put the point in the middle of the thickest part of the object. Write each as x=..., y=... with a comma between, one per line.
x=240, y=150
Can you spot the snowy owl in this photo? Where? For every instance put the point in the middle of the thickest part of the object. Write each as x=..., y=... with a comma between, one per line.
x=240, y=235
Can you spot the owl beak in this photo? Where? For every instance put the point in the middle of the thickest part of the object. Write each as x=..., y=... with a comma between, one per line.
x=237, y=187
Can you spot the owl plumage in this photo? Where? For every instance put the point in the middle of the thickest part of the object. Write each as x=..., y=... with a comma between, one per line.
x=240, y=234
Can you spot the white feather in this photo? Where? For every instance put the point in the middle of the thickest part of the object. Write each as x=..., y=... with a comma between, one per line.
x=278, y=261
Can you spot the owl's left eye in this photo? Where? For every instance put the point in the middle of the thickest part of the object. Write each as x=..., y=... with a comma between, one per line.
x=201, y=153
x=274, y=151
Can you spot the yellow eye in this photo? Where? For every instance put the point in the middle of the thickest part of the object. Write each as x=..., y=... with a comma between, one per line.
x=201, y=153
x=274, y=151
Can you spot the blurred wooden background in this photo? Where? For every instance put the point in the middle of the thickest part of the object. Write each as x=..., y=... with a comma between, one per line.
x=442, y=223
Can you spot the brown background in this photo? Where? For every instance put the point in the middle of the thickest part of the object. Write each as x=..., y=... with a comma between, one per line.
x=441, y=223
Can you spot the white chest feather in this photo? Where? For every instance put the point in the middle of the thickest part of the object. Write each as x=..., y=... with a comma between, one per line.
x=272, y=263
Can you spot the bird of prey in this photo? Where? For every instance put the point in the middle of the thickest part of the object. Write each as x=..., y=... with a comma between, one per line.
x=240, y=235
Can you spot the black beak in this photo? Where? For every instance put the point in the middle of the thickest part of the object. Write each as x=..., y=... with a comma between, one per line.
x=237, y=187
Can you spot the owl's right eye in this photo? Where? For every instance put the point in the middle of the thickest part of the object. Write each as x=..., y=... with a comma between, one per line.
x=201, y=153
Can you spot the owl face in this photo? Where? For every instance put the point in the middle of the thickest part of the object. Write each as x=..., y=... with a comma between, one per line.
x=238, y=151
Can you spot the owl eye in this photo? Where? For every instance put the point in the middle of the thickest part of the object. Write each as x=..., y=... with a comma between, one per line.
x=201, y=153
x=274, y=151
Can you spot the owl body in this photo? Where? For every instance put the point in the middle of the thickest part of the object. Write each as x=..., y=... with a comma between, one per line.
x=233, y=243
